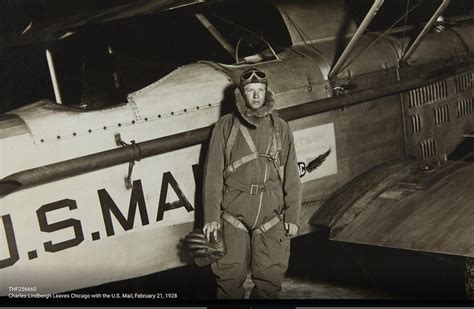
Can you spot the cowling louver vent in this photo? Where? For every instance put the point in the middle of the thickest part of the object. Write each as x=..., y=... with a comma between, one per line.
x=463, y=82
x=415, y=123
x=465, y=107
x=427, y=94
x=427, y=148
x=441, y=114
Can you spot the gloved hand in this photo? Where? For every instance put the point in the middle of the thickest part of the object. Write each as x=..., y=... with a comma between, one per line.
x=205, y=251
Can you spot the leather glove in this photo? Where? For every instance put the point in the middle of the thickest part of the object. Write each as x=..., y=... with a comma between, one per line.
x=203, y=251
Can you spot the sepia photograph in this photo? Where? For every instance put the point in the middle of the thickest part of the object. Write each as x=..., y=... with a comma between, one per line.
x=236, y=153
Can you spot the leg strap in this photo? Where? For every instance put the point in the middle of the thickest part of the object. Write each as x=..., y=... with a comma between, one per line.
x=267, y=225
x=259, y=230
x=233, y=221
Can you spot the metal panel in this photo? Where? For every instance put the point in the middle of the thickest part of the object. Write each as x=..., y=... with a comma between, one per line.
x=440, y=46
x=399, y=206
x=437, y=115
x=188, y=87
x=11, y=125
x=183, y=87
x=369, y=55
x=312, y=21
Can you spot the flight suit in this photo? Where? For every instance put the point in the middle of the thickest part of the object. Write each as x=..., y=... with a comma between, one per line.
x=266, y=254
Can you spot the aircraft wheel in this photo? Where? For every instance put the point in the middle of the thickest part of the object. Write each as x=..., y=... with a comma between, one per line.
x=469, y=275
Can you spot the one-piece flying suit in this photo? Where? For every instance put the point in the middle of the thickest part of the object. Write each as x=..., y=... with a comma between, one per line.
x=253, y=193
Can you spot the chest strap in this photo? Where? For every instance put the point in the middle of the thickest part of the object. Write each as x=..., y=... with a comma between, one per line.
x=259, y=230
x=273, y=156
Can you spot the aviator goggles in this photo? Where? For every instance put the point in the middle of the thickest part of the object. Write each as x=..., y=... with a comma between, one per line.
x=253, y=76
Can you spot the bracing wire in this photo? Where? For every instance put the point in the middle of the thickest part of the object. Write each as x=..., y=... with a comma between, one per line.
x=383, y=34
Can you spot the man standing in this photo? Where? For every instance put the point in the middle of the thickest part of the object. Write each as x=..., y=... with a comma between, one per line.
x=252, y=191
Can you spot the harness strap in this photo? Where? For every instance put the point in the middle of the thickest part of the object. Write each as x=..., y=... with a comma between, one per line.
x=276, y=130
x=274, y=145
x=257, y=231
x=233, y=221
x=252, y=188
x=277, y=146
x=236, y=164
x=248, y=138
x=273, y=156
x=231, y=139
x=267, y=225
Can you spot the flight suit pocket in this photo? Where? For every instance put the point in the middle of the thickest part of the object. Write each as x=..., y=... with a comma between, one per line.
x=278, y=233
x=277, y=246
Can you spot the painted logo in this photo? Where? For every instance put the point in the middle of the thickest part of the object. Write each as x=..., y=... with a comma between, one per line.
x=316, y=152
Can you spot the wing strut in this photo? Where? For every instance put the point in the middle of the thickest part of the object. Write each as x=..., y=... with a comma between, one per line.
x=216, y=34
x=355, y=39
x=115, y=74
x=425, y=31
x=52, y=73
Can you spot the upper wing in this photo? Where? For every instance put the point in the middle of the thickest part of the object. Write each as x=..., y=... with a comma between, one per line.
x=52, y=30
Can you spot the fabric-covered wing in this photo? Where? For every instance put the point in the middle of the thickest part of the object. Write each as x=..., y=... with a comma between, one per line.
x=397, y=205
x=57, y=29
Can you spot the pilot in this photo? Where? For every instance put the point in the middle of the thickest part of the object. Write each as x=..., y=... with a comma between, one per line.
x=252, y=192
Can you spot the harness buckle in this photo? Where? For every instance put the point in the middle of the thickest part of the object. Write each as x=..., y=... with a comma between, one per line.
x=253, y=189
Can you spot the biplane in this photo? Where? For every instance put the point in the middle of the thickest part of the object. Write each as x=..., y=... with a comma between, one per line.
x=103, y=187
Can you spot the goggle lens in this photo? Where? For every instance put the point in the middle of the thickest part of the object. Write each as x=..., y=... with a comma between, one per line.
x=248, y=75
